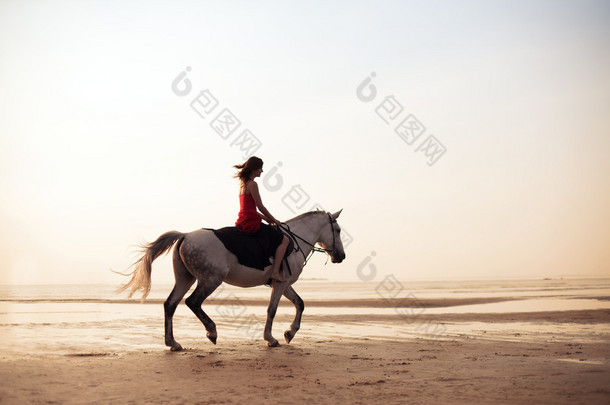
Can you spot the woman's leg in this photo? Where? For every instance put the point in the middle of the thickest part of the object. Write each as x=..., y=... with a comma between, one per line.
x=277, y=260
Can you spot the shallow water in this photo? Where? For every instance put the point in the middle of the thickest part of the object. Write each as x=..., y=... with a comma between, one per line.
x=320, y=289
x=45, y=319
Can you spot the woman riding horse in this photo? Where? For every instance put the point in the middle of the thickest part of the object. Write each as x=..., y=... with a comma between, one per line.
x=249, y=220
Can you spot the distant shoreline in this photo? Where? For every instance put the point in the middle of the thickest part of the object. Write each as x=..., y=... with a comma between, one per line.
x=377, y=281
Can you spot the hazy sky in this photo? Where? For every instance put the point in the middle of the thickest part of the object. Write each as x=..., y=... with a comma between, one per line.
x=99, y=151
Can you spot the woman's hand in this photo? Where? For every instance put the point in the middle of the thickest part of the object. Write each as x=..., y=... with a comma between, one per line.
x=270, y=220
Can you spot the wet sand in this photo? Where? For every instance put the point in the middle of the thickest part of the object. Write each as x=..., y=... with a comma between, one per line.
x=512, y=358
x=315, y=303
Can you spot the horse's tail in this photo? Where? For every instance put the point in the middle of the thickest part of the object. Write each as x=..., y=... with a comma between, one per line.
x=142, y=268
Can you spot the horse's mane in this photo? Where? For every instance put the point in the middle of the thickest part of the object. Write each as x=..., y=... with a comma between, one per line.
x=306, y=214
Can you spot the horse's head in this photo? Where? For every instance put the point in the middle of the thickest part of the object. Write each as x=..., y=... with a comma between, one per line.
x=330, y=238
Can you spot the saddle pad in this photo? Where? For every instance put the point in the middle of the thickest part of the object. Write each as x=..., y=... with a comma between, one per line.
x=254, y=249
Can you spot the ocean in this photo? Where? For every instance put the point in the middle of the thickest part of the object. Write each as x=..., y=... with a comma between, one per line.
x=66, y=319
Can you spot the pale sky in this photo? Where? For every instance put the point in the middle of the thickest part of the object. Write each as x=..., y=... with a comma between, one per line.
x=98, y=153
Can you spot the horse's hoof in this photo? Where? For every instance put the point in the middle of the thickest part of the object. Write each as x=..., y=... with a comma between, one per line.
x=275, y=343
x=212, y=337
x=288, y=336
x=176, y=347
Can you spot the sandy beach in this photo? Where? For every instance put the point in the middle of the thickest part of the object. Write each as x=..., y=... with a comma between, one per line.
x=486, y=362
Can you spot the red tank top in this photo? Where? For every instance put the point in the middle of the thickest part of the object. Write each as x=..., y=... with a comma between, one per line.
x=248, y=220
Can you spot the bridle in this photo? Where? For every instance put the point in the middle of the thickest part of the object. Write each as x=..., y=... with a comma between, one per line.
x=314, y=248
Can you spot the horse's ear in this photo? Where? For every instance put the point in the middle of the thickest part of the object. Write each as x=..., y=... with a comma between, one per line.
x=336, y=214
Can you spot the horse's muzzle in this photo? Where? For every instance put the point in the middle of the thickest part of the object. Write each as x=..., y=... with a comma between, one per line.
x=337, y=257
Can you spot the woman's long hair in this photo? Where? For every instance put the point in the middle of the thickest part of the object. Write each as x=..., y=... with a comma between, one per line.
x=246, y=169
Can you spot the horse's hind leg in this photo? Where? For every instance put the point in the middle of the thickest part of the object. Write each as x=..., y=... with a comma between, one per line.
x=194, y=302
x=300, y=306
x=184, y=281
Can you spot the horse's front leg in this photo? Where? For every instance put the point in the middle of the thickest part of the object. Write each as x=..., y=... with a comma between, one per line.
x=300, y=306
x=276, y=294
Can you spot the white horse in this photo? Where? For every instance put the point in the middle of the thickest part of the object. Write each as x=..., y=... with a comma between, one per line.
x=201, y=256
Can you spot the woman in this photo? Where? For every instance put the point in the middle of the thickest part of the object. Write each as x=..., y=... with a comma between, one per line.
x=249, y=220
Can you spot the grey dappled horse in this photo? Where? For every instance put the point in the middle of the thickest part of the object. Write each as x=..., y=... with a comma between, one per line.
x=201, y=256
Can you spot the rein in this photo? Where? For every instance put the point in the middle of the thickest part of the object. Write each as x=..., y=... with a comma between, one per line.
x=314, y=248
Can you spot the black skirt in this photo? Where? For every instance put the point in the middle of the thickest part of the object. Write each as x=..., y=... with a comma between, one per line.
x=252, y=249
